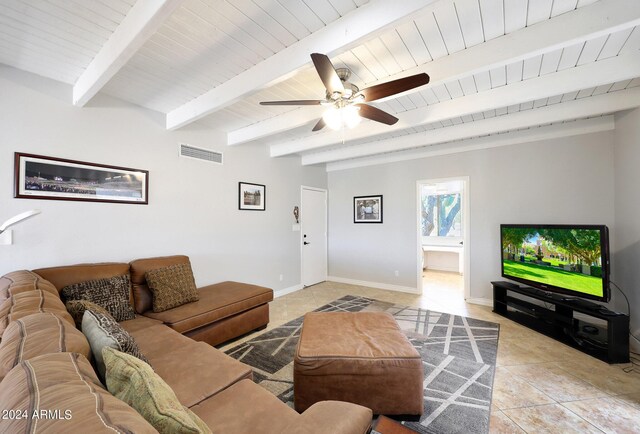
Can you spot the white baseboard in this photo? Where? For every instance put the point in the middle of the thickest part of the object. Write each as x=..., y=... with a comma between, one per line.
x=480, y=301
x=378, y=285
x=285, y=291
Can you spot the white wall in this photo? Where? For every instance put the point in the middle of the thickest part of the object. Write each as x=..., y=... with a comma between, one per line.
x=442, y=261
x=626, y=257
x=193, y=205
x=568, y=180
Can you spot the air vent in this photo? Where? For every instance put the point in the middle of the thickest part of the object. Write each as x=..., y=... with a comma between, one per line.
x=200, y=153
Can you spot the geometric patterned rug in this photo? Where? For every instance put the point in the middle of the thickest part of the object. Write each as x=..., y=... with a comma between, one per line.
x=458, y=356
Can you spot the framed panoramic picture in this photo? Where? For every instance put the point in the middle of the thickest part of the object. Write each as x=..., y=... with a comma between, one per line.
x=40, y=177
x=252, y=197
x=367, y=209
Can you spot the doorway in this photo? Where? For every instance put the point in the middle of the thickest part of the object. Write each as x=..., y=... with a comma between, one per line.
x=313, y=235
x=443, y=240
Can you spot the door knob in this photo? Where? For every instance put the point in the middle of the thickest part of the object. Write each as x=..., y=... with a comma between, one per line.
x=305, y=243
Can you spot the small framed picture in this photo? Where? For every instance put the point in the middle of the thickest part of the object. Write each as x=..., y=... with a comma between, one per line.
x=367, y=209
x=252, y=197
x=42, y=177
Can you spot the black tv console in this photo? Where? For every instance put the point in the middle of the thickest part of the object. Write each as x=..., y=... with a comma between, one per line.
x=610, y=344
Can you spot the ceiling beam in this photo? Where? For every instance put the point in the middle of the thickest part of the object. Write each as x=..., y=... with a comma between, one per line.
x=547, y=132
x=606, y=71
x=576, y=109
x=349, y=30
x=586, y=23
x=142, y=21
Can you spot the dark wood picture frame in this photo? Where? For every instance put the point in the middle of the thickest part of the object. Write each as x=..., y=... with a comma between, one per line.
x=361, y=213
x=243, y=199
x=60, y=183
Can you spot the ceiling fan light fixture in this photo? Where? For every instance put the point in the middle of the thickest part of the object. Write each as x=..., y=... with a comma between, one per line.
x=345, y=101
x=333, y=118
x=350, y=116
x=358, y=98
x=347, y=116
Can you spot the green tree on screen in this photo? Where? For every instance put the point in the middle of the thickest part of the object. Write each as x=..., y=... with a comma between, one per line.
x=513, y=238
x=580, y=243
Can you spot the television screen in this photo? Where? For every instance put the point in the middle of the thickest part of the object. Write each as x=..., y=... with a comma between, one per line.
x=562, y=258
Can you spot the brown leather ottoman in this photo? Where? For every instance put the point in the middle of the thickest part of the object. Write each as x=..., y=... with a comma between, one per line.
x=358, y=357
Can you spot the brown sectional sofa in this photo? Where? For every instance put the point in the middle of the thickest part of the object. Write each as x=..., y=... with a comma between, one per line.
x=225, y=310
x=44, y=359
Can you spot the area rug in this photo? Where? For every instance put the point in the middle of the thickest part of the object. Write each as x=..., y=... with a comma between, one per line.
x=458, y=356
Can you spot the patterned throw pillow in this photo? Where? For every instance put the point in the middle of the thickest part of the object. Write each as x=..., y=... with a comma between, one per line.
x=135, y=383
x=77, y=307
x=111, y=293
x=103, y=331
x=171, y=286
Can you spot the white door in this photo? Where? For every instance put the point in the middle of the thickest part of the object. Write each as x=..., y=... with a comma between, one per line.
x=313, y=235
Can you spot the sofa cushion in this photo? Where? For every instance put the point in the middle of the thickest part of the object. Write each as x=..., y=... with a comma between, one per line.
x=143, y=299
x=157, y=339
x=138, y=323
x=216, y=301
x=111, y=293
x=103, y=331
x=135, y=383
x=171, y=286
x=26, y=303
x=261, y=411
x=334, y=417
x=198, y=371
x=37, y=334
x=76, y=309
x=64, y=383
x=70, y=274
x=23, y=281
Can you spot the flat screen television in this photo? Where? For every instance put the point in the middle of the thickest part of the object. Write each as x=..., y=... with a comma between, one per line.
x=568, y=259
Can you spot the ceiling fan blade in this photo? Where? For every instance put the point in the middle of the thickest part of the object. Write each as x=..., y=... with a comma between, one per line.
x=320, y=125
x=294, y=102
x=396, y=86
x=375, y=114
x=327, y=73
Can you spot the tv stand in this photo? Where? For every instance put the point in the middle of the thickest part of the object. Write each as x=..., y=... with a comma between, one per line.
x=578, y=302
x=610, y=344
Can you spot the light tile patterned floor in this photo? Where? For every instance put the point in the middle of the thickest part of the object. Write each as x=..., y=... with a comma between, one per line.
x=541, y=385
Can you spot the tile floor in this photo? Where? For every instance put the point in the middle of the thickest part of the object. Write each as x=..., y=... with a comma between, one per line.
x=541, y=385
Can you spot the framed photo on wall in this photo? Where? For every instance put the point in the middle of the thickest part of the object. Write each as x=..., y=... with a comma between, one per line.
x=41, y=177
x=367, y=209
x=252, y=197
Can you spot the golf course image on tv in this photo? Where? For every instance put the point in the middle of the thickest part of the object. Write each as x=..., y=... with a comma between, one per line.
x=565, y=258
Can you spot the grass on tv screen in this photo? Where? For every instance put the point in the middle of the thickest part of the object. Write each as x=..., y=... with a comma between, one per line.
x=565, y=258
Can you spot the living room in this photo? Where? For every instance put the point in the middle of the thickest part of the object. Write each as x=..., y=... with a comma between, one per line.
x=535, y=102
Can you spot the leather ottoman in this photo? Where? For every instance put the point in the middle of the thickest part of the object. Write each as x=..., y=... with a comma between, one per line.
x=358, y=357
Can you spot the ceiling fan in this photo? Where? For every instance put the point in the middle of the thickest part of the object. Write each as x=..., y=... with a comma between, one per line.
x=345, y=101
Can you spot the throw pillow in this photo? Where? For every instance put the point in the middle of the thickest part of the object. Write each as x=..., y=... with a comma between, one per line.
x=111, y=293
x=171, y=286
x=103, y=331
x=77, y=307
x=135, y=383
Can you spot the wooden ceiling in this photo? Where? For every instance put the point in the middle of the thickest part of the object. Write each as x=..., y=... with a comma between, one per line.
x=496, y=66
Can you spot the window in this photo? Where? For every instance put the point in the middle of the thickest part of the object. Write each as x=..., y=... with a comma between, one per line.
x=441, y=213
